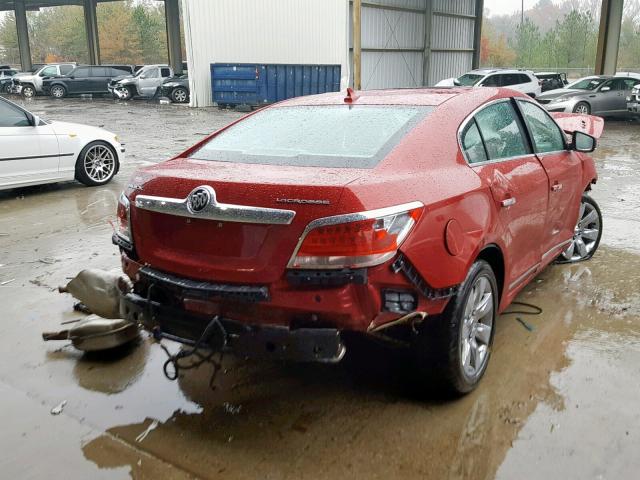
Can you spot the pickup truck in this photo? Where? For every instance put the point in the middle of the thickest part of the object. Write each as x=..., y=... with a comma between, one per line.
x=144, y=83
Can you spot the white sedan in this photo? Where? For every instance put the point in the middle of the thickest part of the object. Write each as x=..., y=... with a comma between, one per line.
x=34, y=151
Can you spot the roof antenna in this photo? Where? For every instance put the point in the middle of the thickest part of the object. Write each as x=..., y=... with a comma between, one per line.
x=351, y=96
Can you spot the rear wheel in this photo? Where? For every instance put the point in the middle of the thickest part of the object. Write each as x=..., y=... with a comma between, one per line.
x=58, y=91
x=587, y=233
x=453, y=349
x=6, y=88
x=28, y=91
x=96, y=164
x=180, y=95
x=583, y=108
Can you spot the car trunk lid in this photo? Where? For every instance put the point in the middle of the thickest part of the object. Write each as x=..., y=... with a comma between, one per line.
x=232, y=251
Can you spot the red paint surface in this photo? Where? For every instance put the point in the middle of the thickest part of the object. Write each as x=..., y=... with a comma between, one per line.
x=427, y=165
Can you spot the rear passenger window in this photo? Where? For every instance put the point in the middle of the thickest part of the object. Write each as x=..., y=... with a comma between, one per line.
x=100, y=71
x=117, y=71
x=65, y=69
x=492, y=81
x=472, y=144
x=501, y=130
x=511, y=79
x=81, y=72
x=547, y=136
x=165, y=72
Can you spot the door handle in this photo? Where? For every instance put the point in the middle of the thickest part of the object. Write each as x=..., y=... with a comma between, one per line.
x=507, y=202
x=556, y=187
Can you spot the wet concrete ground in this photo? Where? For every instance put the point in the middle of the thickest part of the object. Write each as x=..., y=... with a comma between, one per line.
x=559, y=399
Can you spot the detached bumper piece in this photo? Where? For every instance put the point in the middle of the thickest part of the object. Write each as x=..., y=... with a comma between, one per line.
x=402, y=264
x=265, y=341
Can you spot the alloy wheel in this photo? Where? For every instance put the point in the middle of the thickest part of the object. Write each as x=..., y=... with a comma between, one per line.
x=28, y=92
x=585, y=234
x=180, y=95
x=99, y=163
x=582, y=109
x=476, y=328
x=57, y=92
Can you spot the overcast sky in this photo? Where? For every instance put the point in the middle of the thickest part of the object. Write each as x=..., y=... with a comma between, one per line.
x=504, y=7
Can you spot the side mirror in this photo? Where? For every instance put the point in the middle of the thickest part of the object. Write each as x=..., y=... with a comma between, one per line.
x=456, y=82
x=605, y=89
x=33, y=120
x=143, y=77
x=581, y=142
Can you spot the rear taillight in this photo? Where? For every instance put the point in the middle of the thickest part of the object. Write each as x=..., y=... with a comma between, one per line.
x=355, y=240
x=123, y=228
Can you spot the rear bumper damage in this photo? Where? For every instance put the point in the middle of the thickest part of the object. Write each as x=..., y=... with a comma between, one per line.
x=257, y=341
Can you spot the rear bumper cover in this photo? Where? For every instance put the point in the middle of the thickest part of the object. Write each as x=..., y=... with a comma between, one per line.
x=257, y=341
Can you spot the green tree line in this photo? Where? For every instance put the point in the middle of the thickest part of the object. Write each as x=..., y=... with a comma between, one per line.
x=555, y=37
x=129, y=32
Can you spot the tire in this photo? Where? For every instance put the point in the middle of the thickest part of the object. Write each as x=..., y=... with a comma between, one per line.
x=28, y=91
x=582, y=107
x=128, y=93
x=180, y=95
x=443, y=348
x=587, y=233
x=7, y=89
x=58, y=91
x=97, y=164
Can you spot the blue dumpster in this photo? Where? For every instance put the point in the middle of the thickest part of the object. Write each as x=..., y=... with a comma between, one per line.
x=255, y=84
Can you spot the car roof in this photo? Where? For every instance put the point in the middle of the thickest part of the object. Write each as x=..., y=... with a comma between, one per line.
x=546, y=73
x=487, y=71
x=432, y=97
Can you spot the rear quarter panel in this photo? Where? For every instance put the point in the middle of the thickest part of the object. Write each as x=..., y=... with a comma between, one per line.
x=429, y=167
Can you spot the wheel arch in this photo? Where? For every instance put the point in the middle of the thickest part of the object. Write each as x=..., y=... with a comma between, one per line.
x=492, y=254
x=584, y=101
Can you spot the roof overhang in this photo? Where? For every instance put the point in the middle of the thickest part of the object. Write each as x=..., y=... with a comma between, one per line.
x=31, y=5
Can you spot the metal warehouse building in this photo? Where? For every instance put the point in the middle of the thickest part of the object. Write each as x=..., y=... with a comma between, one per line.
x=376, y=44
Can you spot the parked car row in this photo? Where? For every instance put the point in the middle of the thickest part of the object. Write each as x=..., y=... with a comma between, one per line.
x=122, y=81
x=603, y=95
x=520, y=80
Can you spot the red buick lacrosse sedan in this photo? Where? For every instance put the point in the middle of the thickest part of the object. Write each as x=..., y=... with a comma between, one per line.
x=412, y=215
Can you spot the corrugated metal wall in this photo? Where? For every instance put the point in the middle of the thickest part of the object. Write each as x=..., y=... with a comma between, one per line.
x=405, y=43
x=393, y=34
x=411, y=43
x=262, y=31
x=452, y=36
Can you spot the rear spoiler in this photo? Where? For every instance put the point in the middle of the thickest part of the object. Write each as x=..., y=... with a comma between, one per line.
x=572, y=122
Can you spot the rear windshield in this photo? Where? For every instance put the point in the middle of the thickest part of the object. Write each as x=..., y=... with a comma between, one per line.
x=314, y=136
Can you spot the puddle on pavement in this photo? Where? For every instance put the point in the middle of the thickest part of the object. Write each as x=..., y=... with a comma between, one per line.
x=268, y=420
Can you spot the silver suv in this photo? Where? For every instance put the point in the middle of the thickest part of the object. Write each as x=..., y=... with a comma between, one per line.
x=144, y=83
x=30, y=84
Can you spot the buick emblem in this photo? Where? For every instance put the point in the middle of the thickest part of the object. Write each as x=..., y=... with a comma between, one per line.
x=198, y=199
